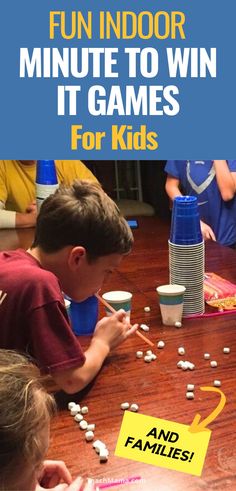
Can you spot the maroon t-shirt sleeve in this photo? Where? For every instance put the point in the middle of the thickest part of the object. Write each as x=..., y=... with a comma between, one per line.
x=52, y=340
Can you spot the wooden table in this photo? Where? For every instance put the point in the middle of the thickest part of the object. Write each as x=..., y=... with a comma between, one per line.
x=159, y=387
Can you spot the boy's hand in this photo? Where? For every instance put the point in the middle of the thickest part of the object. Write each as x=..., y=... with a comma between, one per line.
x=115, y=329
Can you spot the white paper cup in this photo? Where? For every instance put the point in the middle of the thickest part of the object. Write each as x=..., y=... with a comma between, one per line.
x=171, y=300
x=118, y=300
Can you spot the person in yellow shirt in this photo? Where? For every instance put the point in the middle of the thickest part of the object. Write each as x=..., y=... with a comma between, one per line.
x=17, y=188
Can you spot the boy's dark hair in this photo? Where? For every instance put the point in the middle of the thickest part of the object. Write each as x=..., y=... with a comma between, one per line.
x=82, y=215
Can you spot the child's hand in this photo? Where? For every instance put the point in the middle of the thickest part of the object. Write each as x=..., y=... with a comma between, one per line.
x=115, y=329
x=32, y=208
x=79, y=484
x=207, y=232
x=53, y=473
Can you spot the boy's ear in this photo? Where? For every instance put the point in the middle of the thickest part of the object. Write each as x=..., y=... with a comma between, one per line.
x=76, y=254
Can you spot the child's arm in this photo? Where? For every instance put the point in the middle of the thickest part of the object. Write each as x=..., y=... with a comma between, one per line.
x=172, y=187
x=226, y=179
x=13, y=219
x=109, y=333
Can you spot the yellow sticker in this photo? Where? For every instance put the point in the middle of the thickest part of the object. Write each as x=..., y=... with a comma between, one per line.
x=162, y=443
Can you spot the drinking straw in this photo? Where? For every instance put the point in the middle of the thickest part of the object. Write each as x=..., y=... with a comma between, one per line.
x=109, y=307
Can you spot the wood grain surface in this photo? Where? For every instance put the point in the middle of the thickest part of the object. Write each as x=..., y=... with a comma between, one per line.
x=159, y=387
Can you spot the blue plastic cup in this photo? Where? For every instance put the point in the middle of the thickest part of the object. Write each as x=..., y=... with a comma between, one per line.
x=46, y=172
x=46, y=180
x=185, y=222
x=84, y=316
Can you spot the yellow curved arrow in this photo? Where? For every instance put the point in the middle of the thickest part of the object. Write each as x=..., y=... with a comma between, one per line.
x=196, y=427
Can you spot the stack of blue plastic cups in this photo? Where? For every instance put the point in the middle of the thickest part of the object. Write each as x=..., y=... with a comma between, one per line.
x=46, y=180
x=187, y=253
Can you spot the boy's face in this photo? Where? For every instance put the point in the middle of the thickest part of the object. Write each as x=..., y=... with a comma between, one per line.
x=88, y=277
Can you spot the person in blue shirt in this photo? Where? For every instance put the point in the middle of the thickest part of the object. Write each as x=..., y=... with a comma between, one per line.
x=213, y=182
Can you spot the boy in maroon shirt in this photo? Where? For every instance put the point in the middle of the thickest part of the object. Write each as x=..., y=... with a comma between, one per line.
x=80, y=238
